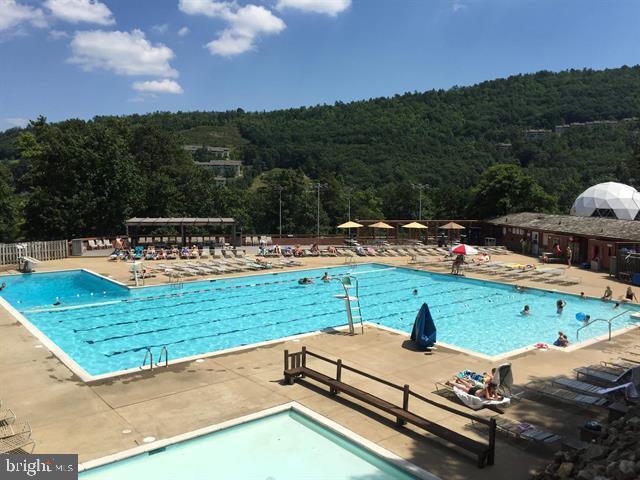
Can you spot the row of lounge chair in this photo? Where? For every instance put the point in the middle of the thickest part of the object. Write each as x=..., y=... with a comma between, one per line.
x=99, y=244
x=219, y=267
x=611, y=382
x=556, y=276
x=15, y=435
x=264, y=240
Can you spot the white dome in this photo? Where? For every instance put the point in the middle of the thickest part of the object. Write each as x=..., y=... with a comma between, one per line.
x=608, y=199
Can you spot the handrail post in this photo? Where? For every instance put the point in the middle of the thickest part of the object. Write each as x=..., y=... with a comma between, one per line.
x=303, y=354
x=334, y=390
x=492, y=442
x=286, y=359
x=405, y=404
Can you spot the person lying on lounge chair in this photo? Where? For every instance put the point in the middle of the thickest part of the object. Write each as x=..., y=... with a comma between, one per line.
x=488, y=393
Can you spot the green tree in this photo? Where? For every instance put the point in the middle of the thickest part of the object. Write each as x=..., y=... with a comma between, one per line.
x=10, y=208
x=504, y=189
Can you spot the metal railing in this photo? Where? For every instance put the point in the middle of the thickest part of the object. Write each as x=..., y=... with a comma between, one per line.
x=595, y=320
x=147, y=355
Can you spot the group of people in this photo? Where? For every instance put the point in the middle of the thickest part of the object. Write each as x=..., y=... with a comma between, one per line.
x=482, y=386
x=628, y=297
x=326, y=278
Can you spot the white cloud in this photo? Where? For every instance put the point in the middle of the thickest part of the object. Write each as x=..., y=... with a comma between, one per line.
x=158, y=86
x=246, y=24
x=17, y=121
x=123, y=53
x=327, y=7
x=160, y=29
x=12, y=14
x=58, y=34
x=77, y=11
x=210, y=8
x=184, y=31
x=456, y=6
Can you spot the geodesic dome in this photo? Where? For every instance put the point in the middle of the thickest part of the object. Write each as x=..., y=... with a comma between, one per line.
x=610, y=199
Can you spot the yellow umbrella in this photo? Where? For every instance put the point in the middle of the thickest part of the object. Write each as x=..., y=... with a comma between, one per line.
x=381, y=225
x=350, y=225
x=452, y=226
x=414, y=225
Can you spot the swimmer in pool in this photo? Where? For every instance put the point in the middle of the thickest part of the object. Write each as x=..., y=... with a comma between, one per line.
x=326, y=278
x=305, y=281
x=560, y=304
x=415, y=291
x=3, y=286
x=526, y=310
x=582, y=296
x=57, y=302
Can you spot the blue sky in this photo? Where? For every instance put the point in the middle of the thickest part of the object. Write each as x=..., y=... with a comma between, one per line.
x=80, y=58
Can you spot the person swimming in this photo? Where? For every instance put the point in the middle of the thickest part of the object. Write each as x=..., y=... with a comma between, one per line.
x=526, y=310
x=3, y=286
x=415, y=291
x=562, y=340
x=582, y=296
x=57, y=302
x=326, y=278
x=560, y=304
x=305, y=281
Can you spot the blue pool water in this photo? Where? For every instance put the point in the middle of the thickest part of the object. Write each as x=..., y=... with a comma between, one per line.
x=105, y=327
x=268, y=444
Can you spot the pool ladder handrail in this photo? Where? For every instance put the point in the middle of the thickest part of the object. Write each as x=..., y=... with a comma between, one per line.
x=609, y=322
x=166, y=356
x=147, y=355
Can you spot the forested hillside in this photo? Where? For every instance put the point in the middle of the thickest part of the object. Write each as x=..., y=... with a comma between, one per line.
x=468, y=144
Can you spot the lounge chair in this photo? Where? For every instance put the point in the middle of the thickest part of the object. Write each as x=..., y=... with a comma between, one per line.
x=524, y=431
x=15, y=428
x=6, y=415
x=609, y=376
x=91, y=244
x=476, y=403
x=206, y=252
x=17, y=444
x=562, y=394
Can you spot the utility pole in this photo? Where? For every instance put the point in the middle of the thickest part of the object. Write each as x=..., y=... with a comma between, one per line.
x=280, y=188
x=318, y=186
x=421, y=187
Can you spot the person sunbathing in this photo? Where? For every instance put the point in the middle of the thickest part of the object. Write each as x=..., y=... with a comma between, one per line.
x=332, y=249
x=470, y=387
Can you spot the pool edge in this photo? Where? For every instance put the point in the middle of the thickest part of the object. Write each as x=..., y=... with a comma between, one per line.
x=371, y=447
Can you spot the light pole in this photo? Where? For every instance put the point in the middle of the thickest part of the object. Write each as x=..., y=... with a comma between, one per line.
x=421, y=187
x=280, y=188
x=318, y=186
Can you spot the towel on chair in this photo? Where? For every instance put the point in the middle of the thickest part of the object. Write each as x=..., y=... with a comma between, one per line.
x=476, y=403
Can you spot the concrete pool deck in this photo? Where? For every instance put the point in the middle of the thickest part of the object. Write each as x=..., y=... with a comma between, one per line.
x=69, y=416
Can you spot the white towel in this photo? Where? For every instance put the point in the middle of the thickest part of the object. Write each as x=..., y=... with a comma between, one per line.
x=476, y=403
x=630, y=390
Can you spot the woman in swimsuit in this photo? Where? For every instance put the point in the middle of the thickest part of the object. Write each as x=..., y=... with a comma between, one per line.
x=630, y=296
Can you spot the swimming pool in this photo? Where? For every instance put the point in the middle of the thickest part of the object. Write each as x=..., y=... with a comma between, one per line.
x=286, y=445
x=105, y=327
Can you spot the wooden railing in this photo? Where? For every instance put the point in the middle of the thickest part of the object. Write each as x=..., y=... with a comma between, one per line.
x=295, y=364
x=48, y=250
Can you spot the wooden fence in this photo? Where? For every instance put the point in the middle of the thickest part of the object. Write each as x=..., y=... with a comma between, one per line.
x=51, y=250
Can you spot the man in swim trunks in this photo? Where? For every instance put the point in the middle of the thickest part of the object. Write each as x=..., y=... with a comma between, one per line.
x=305, y=281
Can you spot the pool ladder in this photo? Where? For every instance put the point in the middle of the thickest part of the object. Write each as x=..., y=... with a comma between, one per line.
x=148, y=355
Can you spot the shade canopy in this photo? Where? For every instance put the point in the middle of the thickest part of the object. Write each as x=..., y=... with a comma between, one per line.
x=414, y=225
x=452, y=226
x=381, y=225
x=350, y=225
x=464, y=249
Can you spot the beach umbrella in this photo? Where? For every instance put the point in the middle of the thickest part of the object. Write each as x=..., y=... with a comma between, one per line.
x=386, y=226
x=464, y=249
x=350, y=225
x=415, y=225
x=452, y=226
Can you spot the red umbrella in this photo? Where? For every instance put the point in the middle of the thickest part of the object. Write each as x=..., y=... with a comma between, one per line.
x=463, y=249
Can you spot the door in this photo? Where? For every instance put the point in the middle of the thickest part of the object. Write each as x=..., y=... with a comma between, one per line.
x=535, y=243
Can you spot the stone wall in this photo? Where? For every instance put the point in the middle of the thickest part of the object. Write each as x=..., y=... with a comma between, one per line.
x=615, y=456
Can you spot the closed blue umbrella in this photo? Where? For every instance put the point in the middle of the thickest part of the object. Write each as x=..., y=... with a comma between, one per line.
x=424, y=330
